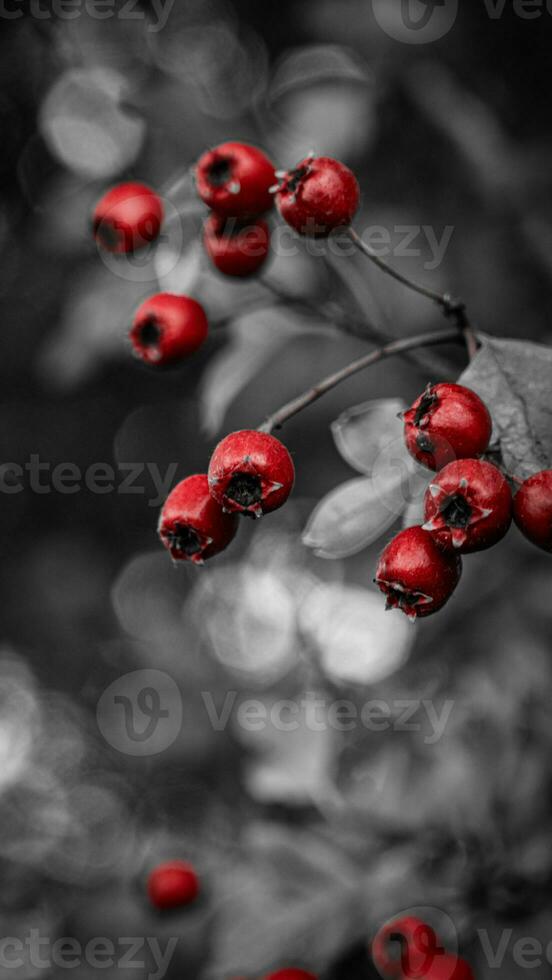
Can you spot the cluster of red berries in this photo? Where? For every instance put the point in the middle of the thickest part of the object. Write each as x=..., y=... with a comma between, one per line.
x=251, y=473
x=468, y=507
x=420, y=953
x=239, y=184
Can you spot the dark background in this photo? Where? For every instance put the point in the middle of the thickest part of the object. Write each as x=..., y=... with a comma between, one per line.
x=454, y=132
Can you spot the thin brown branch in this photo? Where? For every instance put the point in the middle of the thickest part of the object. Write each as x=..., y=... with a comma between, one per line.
x=277, y=420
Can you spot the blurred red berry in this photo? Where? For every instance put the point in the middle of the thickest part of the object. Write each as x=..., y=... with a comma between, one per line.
x=533, y=509
x=236, y=248
x=251, y=472
x=445, y=423
x=291, y=973
x=468, y=506
x=235, y=179
x=172, y=884
x=406, y=941
x=168, y=328
x=127, y=218
x=192, y=526
x=444, y=966
x=415, y=575
x=318, y=195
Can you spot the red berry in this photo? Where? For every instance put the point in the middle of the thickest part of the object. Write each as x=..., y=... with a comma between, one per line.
x=406, y=941
x=444, y=966
x=128, y=217
x=236, y=248
x=445, y=423
x=533, y=509
x=291, y=973
x=251, y=472
x=318, y=195
x=468, y=506
x=168, y=328
x=192, y=526
x=172, y=884
x=235, y=179
x=415, y=575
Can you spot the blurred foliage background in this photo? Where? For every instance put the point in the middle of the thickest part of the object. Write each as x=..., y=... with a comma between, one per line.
x=308, y=841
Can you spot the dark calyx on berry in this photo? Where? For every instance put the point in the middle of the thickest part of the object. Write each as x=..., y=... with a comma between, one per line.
x=245, y=489
x=428, y=401
x=106, y=233
x=456, y=511
x=407, y=601
x=294, y=178
x=150, y=333
x=184, y=539
x=220, y=172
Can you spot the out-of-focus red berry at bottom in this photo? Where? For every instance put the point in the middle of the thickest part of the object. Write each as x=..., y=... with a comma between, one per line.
x=172, y=884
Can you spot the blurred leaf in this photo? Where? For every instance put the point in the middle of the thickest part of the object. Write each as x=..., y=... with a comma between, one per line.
x=358, y=642
x=350, y=518
x=362, y=433
x=255, y=338
x=293, y=897
x=514, y=379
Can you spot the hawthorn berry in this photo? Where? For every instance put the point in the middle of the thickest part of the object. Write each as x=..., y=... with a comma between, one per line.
x=406, y=941
x=251, y=473
x=468, y=506
x=445, y=423
x=317, y=196
x=168, y=328
x=127, y=217
x=172, y=884
x=192, y=526
x=291, y=973
x=533, y=509
x=236, y=248
x=235, y=179
x=415, y=575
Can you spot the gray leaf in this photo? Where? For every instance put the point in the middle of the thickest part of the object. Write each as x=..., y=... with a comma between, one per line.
x=364, y=431
x=514, y=379
x=351, y=517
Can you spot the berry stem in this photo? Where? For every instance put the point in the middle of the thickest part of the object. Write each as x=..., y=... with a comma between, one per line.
x=453, y=309
x=277, y=420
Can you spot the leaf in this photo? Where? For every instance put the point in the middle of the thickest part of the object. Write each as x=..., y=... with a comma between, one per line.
x=358, y=642
x=351, y=517
x=514, y=379
x=290, y=897
x=363, y=432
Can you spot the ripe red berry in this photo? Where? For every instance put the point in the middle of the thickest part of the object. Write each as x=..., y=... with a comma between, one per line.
x=251, y=472
x=291, y=973
x=236, y=248
x=128, y=217
x=318, y=195
x=168, y=328
x=533, y=509
x=445, y=423
x=468, y=506
x=192, y=526
x=404, y=942
x=415, y=575
x=172, y=884
x=235, y=179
